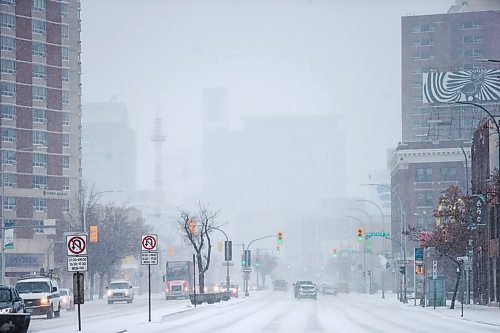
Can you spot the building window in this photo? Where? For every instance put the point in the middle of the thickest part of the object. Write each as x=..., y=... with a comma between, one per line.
x=8, y=134
x=39, y=93
x=38, y=5
x=424, y=175
x=9, y=223
x=7, y=21
x=65, y=140
x=7, y=43
x=8, y=89
x=39, y=138
x=8, y=111
x=64, y=31
x=40, y=204
x=8, y=66
x=65, y=53
x=64, y=74
x=65, y=97
x=422, y=56
x=472, y=53
x=39, y=181
x=65, y=162
x=65, y=184
x=38, y=226
x=422, y=28
x=424, y=199
x=9, y=179
x=65, y=206
x=39, y=116
x=38, y=71
x=64, y=9
x=470, y=25
x=425, y=223
x=471, y=39
x=39, y=27
x=39, y=49
x=8, y=157
x=66, y=118
x=39, y=160
x=448, y=174
x=8, y=2
x=9, y=203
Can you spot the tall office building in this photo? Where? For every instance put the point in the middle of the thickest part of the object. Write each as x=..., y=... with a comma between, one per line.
x=441, y=66
x=40, y=129
x=109, y=144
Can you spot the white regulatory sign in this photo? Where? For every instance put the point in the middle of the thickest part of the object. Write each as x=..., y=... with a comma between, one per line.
x=149, y=242
x=149, y=258
x=77, y=264
x=76, y=244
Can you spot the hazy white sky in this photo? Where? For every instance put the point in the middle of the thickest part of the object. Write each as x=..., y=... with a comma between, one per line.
x=275, y=57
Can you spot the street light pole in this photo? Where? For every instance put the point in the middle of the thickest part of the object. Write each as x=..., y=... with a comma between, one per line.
x=364, y=252
x=383, y=223
x=403, y=239
x=227, y=259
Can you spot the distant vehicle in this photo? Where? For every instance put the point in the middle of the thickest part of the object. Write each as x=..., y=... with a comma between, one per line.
x=307, y=290
x=178, y=279
x=41, y=296
x=328, y=289
x=66, y=299
x=233, y=288
x=10, y=301
x=296, y=286
x=280, y=285
x=211, y=288
x=120, y=291
x=343, y=288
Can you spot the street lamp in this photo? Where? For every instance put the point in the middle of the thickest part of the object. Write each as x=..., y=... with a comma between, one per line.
x=383, y=223
x=5, y=159
x=402, y=237
x=364, y=251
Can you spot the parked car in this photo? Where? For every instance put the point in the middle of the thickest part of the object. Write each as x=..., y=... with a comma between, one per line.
x=280, y=285
x=40, y=295
x=307, y=290
x=120, y=291
x=10, y=301
x=67, y=300
x=328, y=289
x=296, y=286
x=233, y=287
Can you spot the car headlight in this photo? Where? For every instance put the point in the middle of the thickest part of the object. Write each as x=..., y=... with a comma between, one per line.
x=110, y=293
x=126, y=292
x=44, y=301
x=216, y=289
x=64, y=301
x=6, y=310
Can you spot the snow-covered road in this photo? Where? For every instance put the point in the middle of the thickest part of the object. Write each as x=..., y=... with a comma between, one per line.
x=271, y=312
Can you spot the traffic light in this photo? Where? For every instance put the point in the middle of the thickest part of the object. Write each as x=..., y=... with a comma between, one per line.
x=257, y=263
x=360, y=234
x=402, y=270
x=279, y=238
x=334, y=252
x=93, y=234
x=243, y=260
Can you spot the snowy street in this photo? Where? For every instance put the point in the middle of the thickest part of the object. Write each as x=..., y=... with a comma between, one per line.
x=274, y=312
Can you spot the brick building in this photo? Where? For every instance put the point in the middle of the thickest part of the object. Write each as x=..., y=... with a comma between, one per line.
x=40, y=128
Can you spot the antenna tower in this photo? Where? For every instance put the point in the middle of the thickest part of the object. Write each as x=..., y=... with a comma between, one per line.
x=158, y=138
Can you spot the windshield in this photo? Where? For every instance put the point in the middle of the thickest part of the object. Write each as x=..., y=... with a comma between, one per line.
x=177, y=271
x=63, y=292
x=118, y=285
x=33, y=287
x=5, y=295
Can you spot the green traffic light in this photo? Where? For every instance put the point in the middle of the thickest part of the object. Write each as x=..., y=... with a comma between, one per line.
x=360, y=238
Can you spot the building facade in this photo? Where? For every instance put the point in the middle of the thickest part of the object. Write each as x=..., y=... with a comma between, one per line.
x=40, y=103
x=441, y=73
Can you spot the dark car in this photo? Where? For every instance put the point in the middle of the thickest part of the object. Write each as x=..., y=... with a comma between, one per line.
x=280, y=285
x=10, y=301
x=296, y=286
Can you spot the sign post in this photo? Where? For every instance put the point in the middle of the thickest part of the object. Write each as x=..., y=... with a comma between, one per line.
x=149, y=256
x=434, y=277
x=77, y=262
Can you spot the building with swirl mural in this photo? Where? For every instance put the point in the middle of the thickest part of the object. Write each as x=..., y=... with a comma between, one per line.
x=441, y=66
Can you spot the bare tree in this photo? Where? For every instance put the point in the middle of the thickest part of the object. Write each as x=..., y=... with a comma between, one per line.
x=267, y=264
x=196, y=229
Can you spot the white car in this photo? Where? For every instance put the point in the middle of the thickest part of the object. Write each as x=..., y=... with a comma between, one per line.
x=67, y=301
x=40, y=295
x=120, y=291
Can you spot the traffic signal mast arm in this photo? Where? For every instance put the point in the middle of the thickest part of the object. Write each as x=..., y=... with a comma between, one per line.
x=257, y=239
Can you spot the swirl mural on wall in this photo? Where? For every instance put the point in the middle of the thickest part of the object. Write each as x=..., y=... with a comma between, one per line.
x=467, y=86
